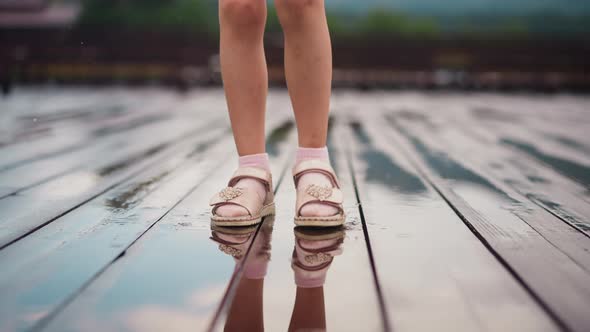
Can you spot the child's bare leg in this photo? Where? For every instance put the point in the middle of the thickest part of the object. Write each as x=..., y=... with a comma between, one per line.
x=243, y=69
x=308, y=69
x=308, y=66
x=245, y=81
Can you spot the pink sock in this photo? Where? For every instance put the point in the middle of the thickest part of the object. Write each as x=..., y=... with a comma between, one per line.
x=311, y=153
x=259, y=160
x=314, y=209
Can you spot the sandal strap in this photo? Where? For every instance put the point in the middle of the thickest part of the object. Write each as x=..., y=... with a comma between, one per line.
x=304, y=197
x=315, y=166
x=244, y=197
x=253, y=173
x=317, y=194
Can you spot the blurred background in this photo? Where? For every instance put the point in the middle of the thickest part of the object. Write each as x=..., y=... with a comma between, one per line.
x=431, y=44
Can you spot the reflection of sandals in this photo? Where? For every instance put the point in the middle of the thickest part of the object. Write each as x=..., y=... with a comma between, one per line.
x=318, y=194
x=256, y=206
x=235, y=241
x=313, y=254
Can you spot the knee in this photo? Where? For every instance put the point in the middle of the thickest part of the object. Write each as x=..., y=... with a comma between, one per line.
x=294, y=12
x=246, y=14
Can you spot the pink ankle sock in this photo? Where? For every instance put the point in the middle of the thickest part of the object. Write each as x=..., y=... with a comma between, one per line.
x=311, y=153
x=259, y=160
x=314, y=209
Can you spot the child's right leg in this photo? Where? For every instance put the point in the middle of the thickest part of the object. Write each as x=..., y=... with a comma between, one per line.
x=245, y=81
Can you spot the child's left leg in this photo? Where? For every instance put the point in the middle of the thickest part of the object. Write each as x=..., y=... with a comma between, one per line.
x=308, y=67
x=308, y=70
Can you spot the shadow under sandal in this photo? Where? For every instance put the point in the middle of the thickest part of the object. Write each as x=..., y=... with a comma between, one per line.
x=256, y=206
x=313, y=193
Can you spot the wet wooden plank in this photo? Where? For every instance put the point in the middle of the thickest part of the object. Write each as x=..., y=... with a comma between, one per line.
x=54, y=104
x=36, y=207
x=184, y=274
x=558, y=124
x=544, y=130
x=101, y=153
x=434, y=273
x=64, y=138
x=540, y=183
x=496, y=166
x=143, y=262
x=62, y=126
x=347, y=301
x=573, y=165
x=486, y=210
x=83, y=124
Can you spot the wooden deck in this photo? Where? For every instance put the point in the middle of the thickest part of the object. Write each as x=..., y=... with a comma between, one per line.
x=466, y=212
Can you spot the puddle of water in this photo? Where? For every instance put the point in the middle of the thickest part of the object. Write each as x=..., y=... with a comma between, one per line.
x=184, y=299
x=313, y=254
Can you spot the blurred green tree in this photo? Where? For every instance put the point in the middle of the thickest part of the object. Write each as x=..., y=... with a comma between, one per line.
x=195, y=15
x=378, y=22
x=382, y=23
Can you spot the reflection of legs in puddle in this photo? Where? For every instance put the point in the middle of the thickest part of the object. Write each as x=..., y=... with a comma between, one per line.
x=313, y=254
x=309, y=312
x=245, y=312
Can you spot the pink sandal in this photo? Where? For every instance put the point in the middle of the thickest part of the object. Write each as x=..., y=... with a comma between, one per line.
x=318, y=194
x=257, y=207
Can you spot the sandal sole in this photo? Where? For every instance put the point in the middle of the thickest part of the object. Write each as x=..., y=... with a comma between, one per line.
x=234, y=230
x=320, y=221
x=267, y=210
